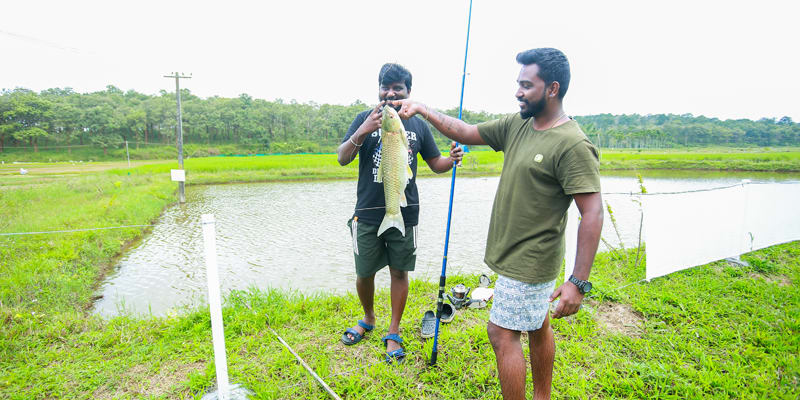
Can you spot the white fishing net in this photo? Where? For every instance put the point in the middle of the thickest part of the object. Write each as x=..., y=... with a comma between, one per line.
x=687, y=229
x=772, y=215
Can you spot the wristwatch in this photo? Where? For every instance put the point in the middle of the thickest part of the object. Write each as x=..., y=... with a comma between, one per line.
x=583, y=286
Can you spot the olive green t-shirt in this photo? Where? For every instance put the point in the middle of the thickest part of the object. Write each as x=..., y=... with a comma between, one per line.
x=541, y=172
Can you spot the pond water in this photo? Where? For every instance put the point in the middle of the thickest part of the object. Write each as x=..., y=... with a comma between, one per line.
x=294, y=236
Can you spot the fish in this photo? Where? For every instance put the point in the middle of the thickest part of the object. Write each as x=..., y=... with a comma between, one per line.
x=393, y=170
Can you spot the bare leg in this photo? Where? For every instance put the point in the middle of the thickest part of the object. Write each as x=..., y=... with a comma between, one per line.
x=511, y=366
x=399, y=293
x=366, y=294
x=543, y=349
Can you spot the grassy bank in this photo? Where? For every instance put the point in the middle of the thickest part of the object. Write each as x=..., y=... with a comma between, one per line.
x=715, y=331
x=779, y=160
x=205, y=170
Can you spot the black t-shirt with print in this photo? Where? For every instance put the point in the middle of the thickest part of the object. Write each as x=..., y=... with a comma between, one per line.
x=370, y=204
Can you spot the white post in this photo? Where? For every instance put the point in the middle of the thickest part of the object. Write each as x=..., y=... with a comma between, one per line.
x=127, y=154
x=215, y=304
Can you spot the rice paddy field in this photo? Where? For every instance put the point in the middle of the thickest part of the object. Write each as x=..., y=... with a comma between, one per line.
x=716, y=331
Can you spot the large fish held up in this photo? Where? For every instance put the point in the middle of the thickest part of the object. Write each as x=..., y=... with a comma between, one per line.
x=393, y=170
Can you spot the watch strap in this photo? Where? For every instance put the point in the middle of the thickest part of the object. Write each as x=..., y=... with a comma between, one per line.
x=580, y=284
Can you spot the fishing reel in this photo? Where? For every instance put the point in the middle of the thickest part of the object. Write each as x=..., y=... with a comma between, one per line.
x=460, y=297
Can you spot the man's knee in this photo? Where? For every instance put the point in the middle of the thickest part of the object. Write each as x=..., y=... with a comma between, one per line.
x=498, y=336
x=545, y=333
x=360, y=280
x=492, y=332
x=398, y=274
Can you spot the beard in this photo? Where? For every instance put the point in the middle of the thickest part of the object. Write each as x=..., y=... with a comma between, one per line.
x=532, y=109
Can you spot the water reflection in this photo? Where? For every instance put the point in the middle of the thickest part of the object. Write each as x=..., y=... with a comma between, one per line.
x=294, y=236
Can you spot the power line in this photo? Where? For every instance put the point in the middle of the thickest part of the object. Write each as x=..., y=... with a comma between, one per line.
x=42, y=42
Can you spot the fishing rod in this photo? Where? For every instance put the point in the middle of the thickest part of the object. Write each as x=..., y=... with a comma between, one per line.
x=442, y=278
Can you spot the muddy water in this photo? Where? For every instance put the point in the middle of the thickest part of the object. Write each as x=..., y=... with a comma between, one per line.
x=294, y=236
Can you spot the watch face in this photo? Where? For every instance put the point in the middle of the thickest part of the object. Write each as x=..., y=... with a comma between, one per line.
x=587, y=287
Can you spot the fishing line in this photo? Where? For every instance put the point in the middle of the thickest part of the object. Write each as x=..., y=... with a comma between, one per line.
x=72, y=230
x=418, y=204
x=632, y=194
x=382, y=207
x=702, y=190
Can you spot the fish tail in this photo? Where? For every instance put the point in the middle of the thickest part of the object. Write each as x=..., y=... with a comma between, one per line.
x=392, y=221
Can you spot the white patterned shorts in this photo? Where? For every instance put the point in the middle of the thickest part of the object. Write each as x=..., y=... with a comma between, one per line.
x=520, y=306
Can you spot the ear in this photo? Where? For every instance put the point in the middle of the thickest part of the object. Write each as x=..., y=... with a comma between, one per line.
x=552, y=91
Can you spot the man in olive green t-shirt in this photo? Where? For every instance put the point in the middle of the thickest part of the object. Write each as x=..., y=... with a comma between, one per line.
x=548, y=162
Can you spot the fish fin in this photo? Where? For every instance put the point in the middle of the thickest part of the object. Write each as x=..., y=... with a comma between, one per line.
x=392, y=221
x=409, y=173
x=403, y=201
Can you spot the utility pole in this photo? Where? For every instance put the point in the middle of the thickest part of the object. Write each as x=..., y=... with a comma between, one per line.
x=178, y=77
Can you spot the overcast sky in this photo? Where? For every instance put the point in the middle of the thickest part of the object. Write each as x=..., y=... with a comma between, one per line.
x=724, y=59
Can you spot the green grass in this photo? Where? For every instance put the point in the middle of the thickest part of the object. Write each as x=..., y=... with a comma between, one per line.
x=480, y=161
x=476, y=163
x=56, y=271
x=715, y=331
x=784, y=160
x=151, y=151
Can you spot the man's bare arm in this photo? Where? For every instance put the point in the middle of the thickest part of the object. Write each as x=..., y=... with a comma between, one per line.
x=348, y=150
x=590, y=206
x=453, y=128
x=441, y=164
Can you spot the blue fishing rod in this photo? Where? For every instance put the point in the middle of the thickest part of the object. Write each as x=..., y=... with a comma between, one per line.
x=442, y=278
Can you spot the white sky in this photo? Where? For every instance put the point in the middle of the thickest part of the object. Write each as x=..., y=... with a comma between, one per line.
x=724, y=59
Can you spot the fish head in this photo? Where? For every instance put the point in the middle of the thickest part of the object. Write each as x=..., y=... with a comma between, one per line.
x=390, y=120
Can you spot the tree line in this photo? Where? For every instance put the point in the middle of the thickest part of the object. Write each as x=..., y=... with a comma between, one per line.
x=108, y=118
x=671, y=130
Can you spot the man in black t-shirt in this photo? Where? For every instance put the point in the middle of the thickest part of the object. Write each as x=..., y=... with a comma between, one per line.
x=373, y=252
